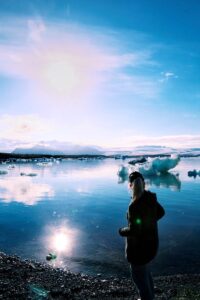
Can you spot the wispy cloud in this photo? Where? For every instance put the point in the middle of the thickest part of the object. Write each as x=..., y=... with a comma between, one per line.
x=70, y=60
x=23, y=127
x=126, y=143
x=190, y=115
x=137, y=85
x=36, y=30
x=177, y=141
x=167, y=76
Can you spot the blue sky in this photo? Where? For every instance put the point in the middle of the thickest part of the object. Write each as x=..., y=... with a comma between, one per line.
x=106, y=73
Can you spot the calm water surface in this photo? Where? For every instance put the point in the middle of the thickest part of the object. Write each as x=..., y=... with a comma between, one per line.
x=75, y=209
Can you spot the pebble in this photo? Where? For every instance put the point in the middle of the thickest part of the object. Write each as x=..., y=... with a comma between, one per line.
x=16, y=275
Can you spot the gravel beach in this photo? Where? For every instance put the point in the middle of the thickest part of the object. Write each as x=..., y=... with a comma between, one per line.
x=28, y=279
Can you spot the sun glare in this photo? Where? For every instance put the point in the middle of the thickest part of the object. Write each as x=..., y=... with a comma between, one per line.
x=61, y=241
x=63, y=77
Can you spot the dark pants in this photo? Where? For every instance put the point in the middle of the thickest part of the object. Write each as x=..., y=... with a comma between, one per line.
x=143, y=280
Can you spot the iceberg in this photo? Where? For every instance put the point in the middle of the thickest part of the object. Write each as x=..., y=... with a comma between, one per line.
x=3, y=172
x=156, y=166
x=155, y=171
x=44, y=164
x=10, y=167
x=123, y=173
x=193, y=173
x=135, y=161
x=28, y=174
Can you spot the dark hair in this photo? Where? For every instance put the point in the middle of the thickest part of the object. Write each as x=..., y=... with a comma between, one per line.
x=134, y=175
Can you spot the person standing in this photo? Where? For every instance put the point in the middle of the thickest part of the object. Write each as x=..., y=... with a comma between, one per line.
x=142, y=239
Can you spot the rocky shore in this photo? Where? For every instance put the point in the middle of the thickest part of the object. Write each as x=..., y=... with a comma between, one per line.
x=25, y=279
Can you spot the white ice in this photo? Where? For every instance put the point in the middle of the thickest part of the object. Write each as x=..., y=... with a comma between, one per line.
x=3, y=172
x=155, y=166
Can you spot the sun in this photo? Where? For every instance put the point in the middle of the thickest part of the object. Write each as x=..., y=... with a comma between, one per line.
x=63, y=77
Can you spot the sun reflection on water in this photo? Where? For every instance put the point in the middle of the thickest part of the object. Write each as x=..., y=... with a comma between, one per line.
x=61, y=239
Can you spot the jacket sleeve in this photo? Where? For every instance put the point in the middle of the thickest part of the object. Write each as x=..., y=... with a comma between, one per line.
x=134, y=224
x=160, y=212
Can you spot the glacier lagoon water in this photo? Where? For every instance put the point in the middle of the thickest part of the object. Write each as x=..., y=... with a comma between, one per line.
x=74, y=209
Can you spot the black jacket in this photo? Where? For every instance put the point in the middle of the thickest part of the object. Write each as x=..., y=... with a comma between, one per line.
x=142, y=240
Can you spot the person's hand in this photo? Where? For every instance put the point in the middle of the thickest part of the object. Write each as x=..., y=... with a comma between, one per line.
x=123, y=231
x=120, y=231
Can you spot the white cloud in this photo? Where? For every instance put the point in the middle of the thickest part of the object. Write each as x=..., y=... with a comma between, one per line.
x=23, y=127
x=177, y=141
x=36, y=30
x=163, y=143
x=167, y=75
x=8, y=145
x=137, y=85
x=70, y=60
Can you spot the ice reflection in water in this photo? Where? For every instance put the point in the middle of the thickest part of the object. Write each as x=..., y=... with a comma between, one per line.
x=86, y=194
x=166, y=180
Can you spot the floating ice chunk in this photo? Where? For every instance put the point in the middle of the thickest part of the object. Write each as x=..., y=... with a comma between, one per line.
x=51, y=256
x=147, y=170
x=159, y=165
x=3, y=172
x=193, y=173
x=31, y=174
x=28, y=174
x=45, y=164
x=164, y=165
x=10, y=167
x=122, y=173
x=136, y=161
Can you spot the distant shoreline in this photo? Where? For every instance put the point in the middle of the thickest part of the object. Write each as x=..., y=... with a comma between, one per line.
x=28, y=279
x=13, y=157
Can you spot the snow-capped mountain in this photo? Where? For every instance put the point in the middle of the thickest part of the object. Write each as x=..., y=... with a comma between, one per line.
x=59, y=149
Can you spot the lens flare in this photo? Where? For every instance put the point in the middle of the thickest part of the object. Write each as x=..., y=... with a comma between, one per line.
x=138, y=221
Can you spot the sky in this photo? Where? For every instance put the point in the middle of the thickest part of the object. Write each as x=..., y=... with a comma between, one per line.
x=106, y=73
